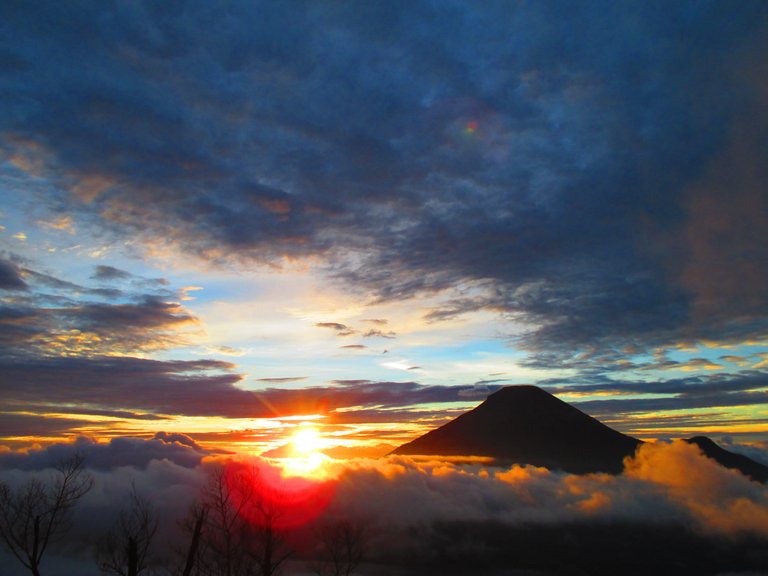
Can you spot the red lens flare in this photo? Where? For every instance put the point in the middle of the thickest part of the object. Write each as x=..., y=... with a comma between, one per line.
x=266, y=496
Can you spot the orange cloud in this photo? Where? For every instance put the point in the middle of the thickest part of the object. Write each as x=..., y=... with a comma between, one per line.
x=719, y=499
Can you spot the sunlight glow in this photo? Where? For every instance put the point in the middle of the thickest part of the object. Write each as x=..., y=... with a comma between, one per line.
x=310, y=466
x=306, y=441
x=306, y=460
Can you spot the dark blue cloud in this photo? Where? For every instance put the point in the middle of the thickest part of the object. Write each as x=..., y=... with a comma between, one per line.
x=10, y=277
x=631, y=397
x=688, y=402
x=110, y=273
x=57, y=317
x=694, y=386
x=124, y=451
x=124, y=385
x=562, y=156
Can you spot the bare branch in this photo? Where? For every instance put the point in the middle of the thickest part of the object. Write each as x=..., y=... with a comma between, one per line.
x=198, y=516
x=36, y=514
x=342, y=547
x=124, y=550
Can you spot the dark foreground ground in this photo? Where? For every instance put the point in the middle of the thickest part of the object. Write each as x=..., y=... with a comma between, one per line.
x=491, y=549
x=463, y=548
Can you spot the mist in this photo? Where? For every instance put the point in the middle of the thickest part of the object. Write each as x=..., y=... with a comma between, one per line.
x=667, y=492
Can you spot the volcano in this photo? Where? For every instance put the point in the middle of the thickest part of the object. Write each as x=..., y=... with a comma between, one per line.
x=526, y=425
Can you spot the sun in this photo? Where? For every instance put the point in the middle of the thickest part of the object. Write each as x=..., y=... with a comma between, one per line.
x=306, y=441
x=306, y=458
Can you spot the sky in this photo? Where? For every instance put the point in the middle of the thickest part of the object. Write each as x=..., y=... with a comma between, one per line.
x=220, y=222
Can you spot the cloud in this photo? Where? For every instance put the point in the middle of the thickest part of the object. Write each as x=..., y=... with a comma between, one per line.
x=728, y=218
x=161, y=473
x=426, y=419
x=20, y=424
x=340, y=329
x=202, y=388
x=118, y=452
x=573, y=174
x=353, y=452
x=198, y=388
x=110, y=273
x=719, y=499
x=225, y=350
x=670, y=497
x=344, y=330
x=413, y=493
x=62, y=223
x=708, y=385
x=717, y=390
x=661, y=404
x=63, y=341
x=150, y=314
x=176, y=437
x=10, y=277
x=59, y=317
x=664, y=484
x=374, y=333
x=94, y=328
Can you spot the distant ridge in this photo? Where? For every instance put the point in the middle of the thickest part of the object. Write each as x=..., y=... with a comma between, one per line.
x=527, y=425
x=758, y=472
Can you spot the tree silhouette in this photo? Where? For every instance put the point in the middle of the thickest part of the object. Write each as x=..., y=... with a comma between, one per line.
x=124, y=550
x=342, y=544
x=227, y=496
x=194, y=525
x=268, y=547
x=35, y=514
x=236, y=528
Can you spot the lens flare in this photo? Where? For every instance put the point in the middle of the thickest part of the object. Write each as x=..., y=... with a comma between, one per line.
x=269, y=498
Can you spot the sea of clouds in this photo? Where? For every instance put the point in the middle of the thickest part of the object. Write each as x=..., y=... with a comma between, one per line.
x=396, y=497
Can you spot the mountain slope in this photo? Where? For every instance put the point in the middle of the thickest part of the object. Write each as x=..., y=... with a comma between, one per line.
x=526, y=425
x=743, y=464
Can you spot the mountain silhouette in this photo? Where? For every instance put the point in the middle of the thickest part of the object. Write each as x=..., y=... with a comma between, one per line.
x=526, y=425
x=756, y=471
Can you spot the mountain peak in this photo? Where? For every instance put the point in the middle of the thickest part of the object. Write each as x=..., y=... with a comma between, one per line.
x=520, y=394
x=527, y=425
x=519, y=390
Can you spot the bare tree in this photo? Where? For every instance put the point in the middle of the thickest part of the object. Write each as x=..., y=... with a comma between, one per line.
x=193, y=524
x=35, y=514
x=227, y=498
x=342, y=546
x=235, y=529
x=268, y=545
x=124, y=550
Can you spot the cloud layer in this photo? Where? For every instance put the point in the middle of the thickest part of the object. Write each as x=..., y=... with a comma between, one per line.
x=407, y=506
x=82, y=349
x=571, y=167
